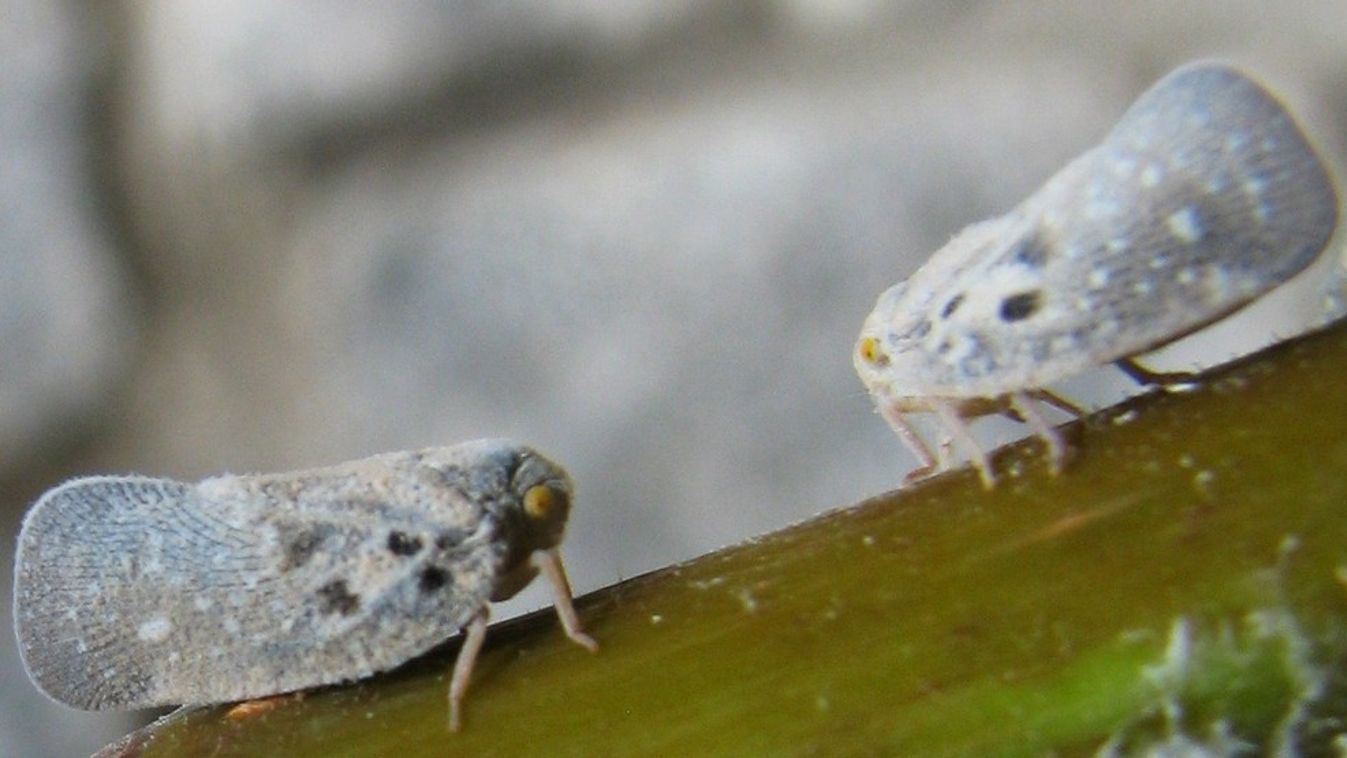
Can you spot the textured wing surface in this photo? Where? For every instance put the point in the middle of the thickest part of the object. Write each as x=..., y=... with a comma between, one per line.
x=1205, y=195
x=134, y=592
x=1218, y=198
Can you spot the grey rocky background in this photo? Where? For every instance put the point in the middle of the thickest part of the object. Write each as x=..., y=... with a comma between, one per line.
x=640, y=235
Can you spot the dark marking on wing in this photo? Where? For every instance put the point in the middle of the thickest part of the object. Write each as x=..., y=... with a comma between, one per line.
x=1032, y=251
x=432, y=578
x=336, y=597
x=299, y=548
x=1020, y=306
x=951, y=306
x=400, y=543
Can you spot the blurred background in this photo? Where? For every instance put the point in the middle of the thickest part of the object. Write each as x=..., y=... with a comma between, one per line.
x=641, y=236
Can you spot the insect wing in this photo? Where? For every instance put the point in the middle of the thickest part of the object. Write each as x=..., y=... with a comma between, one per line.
x=1205, y=195
x=134, y=592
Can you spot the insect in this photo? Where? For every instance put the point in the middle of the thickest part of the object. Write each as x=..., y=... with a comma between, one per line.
x=1204, y=195
x=133, y=592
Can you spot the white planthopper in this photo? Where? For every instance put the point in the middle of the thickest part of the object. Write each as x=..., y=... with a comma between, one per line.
x=132, y=591
x=1205, y=195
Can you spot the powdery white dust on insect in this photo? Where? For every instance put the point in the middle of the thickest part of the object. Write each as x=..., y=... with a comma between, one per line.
x=1205, y=195
x=132, y=592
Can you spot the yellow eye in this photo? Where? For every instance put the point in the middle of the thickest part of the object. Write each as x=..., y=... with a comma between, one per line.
x=541, y=500
x=869, y=350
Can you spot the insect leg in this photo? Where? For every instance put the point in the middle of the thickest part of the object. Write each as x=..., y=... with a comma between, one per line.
x=957, y=427
x=474, y=634
x=1058, y=402
x=898, y=423
x=1024, y=404
x=945, y=449
x=550, y=563
x=1146, y=377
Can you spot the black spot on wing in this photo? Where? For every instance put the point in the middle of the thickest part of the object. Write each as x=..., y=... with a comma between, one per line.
x=432, y=578
x=336, y=597
x=1020, y=306
x=400, y=543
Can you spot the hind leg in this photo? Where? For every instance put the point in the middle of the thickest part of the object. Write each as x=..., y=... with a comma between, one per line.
x=1023, y=403
x=1148, y=378
x=957, y=427
x=1058, y=402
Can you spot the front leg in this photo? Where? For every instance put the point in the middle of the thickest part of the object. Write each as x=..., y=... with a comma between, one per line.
x=550, y=563
x=900, y=426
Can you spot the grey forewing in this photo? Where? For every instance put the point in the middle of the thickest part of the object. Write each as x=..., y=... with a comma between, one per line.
x=1205, y=195
x=145, y=592
x=1239, y=203
x=1235, y=153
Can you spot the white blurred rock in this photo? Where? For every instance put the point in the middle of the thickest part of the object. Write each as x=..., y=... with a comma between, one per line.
x=64, y=327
